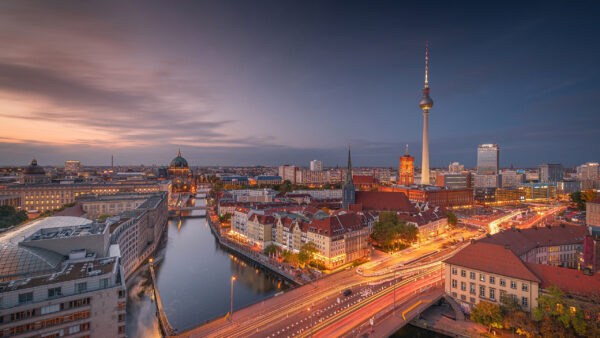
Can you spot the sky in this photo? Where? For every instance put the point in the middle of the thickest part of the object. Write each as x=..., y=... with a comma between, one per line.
x=275, y=82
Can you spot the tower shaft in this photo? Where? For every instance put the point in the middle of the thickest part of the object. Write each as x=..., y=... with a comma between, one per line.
x=425, y=157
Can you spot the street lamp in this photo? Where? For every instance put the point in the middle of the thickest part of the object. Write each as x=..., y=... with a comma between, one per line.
x=231, y=312
x=310, y=322
x=394, y=281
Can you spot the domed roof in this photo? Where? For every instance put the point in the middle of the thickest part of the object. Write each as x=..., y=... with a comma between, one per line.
x=34, y=169
x=179, y=161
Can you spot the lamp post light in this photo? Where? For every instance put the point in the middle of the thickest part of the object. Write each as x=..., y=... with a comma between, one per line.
x=311, y=331
x=394, y=281
x=231, y=312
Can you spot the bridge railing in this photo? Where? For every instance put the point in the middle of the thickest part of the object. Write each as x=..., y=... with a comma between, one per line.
x=165, y=326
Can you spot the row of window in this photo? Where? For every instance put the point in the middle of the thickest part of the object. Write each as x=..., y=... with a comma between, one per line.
x=48, y=323
x=48, y=309
x=491, y=279
x=491, y=294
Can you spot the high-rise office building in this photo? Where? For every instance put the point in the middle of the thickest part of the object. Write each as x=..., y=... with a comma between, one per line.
x=488, y=159
x=426, y=103
x=550, y=173
x=406, y=171
x=316, y=165
x=288, y=173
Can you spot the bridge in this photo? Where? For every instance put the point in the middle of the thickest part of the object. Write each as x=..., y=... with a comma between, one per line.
x=165, y=327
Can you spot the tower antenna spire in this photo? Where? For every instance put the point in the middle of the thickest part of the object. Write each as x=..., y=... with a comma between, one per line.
x=406, y=154
x=426, y=63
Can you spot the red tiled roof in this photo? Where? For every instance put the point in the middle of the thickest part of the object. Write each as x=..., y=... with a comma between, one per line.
x=523, y=240
x=262, y=219
x=568, y=280
x=363, y=179
x=424, y=217
x=492, y=258
x=380, y=201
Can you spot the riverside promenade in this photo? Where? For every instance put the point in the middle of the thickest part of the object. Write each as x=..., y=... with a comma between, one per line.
x=252, y=255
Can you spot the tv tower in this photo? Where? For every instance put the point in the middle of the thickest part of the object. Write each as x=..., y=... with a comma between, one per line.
x=426, y=103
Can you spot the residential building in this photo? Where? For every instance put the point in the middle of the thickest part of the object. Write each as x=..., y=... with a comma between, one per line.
x=288, y=173
x=72, y=167
x=592, y=213
x=455, y=168
x=316, y=165
x=539, y=191
x=487, y=272
x=487, y=181
x=588, y=171
x=437, y=196
x=566, y=187
x=268, y=180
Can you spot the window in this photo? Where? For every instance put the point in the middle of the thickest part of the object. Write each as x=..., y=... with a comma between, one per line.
x=472, y=275
x=492, y=280
x=482, y=291
x=524, y=302
x=454, y=283
x=481, y=277
x=463, y=273
x=492, y=294
x=472, y=300
x=104, y=282
x=463, y=297
x=54, y=292
x=50, y=308
x=25, y=298
x=454, y=271
x=513, y=284
x=472, y=288
x=121, y=329
x=502, y=282
x=80, y=287
x=121, y=317
x=463, y=286
x=454, y=294
x=74, y=329
x=524, y=287
x=121, y=293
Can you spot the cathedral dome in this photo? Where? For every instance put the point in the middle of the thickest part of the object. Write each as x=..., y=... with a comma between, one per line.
x=179, y=162
x=34, y=169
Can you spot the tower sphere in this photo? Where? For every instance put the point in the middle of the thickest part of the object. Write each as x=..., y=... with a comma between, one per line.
x=426, y=102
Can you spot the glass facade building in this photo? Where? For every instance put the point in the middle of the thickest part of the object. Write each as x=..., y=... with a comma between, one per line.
x=488, y=159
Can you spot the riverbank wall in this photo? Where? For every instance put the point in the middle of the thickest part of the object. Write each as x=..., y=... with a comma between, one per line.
x=250, y=255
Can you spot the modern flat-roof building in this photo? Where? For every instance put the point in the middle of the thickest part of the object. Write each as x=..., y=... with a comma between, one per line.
x=488, y=159
x=57, y=278
x=316, y=165
x=550, y=172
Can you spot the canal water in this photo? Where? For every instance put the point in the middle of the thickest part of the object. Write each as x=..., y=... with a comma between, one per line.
x=194, y=280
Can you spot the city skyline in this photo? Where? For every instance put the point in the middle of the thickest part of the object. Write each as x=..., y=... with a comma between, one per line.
x=255, y=85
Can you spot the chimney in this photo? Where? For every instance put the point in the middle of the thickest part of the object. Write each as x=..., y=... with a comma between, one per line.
x=507, y=246
x=472, y=241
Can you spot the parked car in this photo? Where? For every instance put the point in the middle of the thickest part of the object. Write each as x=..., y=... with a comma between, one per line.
x=348, y=292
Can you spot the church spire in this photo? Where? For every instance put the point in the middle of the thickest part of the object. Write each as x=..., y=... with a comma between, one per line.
x=349, y=169
x=179, y=153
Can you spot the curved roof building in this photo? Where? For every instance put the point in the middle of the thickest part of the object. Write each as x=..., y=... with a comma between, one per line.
x=179, y=162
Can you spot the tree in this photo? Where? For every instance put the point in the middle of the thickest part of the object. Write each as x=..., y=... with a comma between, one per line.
x=577, y=199
x=520, y=322
x=554, y=307
x=390, y=231
x=452, y=220
x=306, y=252
x=588, y=195
x=272, y=249
x=9, y=216
x=488, y=314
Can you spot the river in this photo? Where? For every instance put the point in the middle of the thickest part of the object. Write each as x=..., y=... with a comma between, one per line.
x=194, y=280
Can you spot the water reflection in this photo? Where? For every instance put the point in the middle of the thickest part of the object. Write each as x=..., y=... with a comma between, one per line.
x=194, y=275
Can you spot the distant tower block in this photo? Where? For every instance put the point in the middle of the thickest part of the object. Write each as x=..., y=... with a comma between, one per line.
x=406, y=171
x=426, y=103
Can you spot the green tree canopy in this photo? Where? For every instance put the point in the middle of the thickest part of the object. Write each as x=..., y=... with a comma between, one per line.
x=272, y=249
x=488, y=314
x=555, y=307
x=390, y=231
x=306, y=252
x=452, y=220
x=9, y=216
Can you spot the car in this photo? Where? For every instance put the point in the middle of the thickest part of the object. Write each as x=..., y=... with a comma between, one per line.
x=348, y=292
